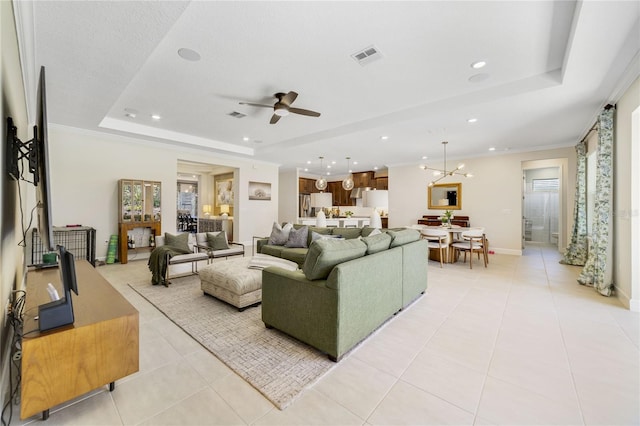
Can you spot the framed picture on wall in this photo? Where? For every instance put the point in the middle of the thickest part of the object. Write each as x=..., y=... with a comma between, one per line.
x=224, y=190
x=259, y=191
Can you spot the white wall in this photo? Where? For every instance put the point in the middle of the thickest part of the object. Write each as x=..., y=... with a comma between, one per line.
x=625, y=198
x=492, y=198
x=288, y=197
x=85, y=167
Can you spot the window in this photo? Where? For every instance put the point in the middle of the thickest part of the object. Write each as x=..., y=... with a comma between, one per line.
x=546, y=185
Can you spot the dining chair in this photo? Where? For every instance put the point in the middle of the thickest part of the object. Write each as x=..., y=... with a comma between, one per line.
x=437, y=239
x=473, y=241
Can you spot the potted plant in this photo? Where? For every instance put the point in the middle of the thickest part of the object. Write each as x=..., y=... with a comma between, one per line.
x=348, y=214
x=446, y=218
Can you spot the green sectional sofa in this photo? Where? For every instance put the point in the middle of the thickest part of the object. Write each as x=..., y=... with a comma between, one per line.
x=346, y=289
x=298, y=254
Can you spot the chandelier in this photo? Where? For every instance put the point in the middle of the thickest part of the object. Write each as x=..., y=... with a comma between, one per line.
x=321, y=182
x=442, y=173
x=347, y=183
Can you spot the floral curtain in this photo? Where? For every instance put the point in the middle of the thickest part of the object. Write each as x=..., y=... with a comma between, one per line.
x=597, y=271
x=576, y=253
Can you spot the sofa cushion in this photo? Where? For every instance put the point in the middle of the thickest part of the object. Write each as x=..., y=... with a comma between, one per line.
x=315, y=236
x=217, y=240
x=298, y=238
x=280, y=234
x=367, y=231
x=179, y=242
x=317, y=230
x=272, y=250
x=402, y=237
x=323, y=255
x=377, y=243
x=261, y=261
x=348, y=233
x=297, y=255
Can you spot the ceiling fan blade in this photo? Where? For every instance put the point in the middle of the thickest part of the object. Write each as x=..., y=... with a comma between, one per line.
x=289, y=98
x=274, y=119
x=256, y=105
x=304, y=112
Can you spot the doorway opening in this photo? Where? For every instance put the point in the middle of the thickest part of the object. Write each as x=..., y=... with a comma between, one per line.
x=205, y=197
x=544, y=203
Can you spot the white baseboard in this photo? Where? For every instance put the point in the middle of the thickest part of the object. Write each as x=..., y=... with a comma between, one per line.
x=506, y=251
x=629, y=303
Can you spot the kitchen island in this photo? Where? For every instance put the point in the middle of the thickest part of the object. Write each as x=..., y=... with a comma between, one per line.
x=338, y=222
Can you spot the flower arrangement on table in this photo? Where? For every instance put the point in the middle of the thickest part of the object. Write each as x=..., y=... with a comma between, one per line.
x=348, y=213
x=446, y=217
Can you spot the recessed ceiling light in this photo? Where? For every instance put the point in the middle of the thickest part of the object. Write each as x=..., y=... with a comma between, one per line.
x=375, y=167
x=492, y=148
x=424, y=157
x=306, y=170
x=384, y=138
x=308, y=161
x=245, y=139
x=355, y=162
x=477, y=65
x=156, y=117
x=189, y=54
x=472, y=120
x=328, y=166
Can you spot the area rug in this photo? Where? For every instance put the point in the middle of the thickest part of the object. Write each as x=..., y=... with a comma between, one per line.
x=277, y=365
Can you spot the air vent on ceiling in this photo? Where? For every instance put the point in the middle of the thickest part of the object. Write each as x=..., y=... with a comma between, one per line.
x=367, y=55
x=237, y=114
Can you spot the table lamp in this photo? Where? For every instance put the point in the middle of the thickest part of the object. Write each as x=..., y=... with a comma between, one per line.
x=224, y=210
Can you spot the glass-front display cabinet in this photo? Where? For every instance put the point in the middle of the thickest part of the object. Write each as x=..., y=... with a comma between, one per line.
x=139, y=201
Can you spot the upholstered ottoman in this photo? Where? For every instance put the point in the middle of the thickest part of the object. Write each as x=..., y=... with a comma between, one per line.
x=233, y=282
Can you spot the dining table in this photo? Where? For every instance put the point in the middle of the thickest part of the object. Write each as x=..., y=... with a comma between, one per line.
x=453, y=232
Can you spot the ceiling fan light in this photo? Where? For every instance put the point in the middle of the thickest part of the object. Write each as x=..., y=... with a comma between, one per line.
x=281, y=111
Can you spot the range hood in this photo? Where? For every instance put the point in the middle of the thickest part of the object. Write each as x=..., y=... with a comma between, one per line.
x=357, y=192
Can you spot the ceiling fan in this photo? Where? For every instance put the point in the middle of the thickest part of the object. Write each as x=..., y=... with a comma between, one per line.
x=283, y=107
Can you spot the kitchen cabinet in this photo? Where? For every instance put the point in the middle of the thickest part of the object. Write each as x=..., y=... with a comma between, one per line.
x=382, y=183
x=341, y=197
x=307, y=186
x=363, y=179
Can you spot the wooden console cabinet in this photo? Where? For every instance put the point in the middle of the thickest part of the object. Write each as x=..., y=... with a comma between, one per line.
x=123, y=249
x=100, y=347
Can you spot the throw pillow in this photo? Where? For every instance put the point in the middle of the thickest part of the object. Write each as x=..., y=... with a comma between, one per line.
x=280, y=234
x=178, y=242
x=324, y=254
x=217, y=241
x=377, y=243
x=298, y=237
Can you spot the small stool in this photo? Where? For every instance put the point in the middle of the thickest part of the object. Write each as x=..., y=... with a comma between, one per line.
x=232, y=281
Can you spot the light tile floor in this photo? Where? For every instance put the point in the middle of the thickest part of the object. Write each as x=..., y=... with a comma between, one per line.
x=517, y=343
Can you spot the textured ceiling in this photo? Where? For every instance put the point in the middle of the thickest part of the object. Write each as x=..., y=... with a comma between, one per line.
x=551, y=66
